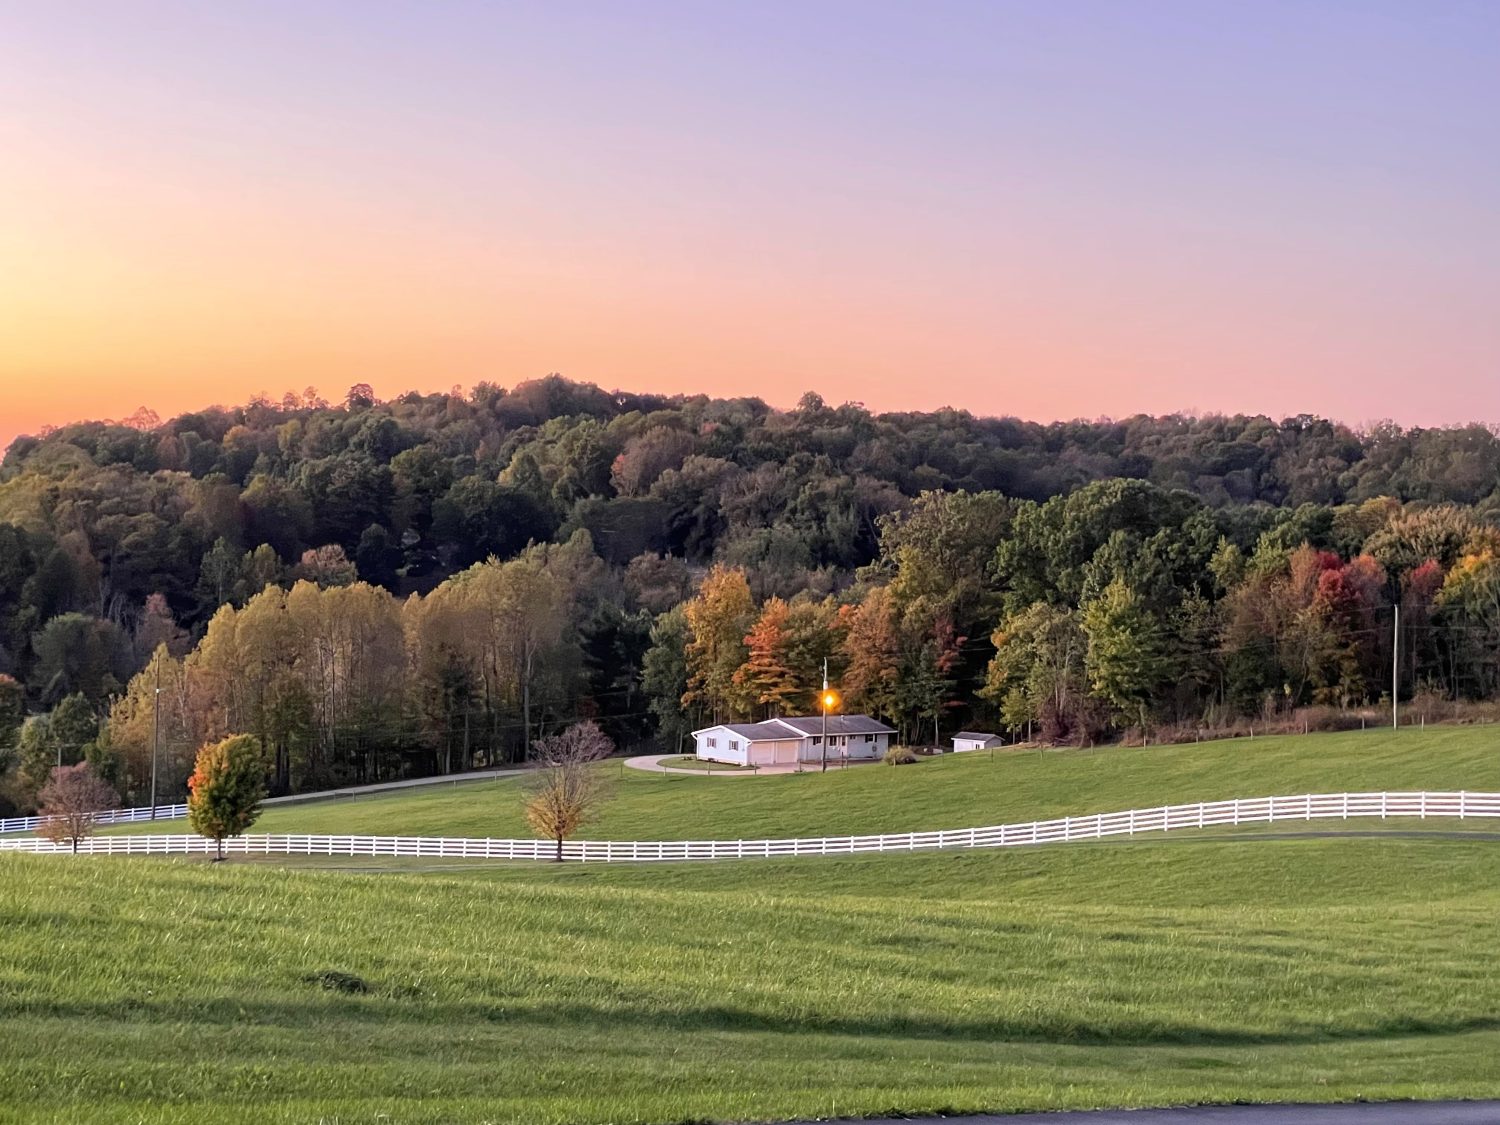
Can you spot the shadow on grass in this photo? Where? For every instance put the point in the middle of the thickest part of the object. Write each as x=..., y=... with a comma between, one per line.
x=410, y=1008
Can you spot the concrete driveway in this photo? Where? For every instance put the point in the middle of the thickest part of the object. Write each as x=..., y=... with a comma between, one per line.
x=652, y=763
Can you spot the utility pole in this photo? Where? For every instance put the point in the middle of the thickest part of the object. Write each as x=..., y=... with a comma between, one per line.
x=1395, y=665
x=155, y=730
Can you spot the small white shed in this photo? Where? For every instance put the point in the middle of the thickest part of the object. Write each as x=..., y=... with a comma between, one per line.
x=976, y=740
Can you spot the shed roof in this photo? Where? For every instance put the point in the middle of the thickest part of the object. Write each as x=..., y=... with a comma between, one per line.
x=975, y=734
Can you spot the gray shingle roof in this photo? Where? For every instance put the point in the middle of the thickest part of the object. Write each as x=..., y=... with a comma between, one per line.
x=838, y=724
x=972, y=734
x=752, y=732
x=777, y=728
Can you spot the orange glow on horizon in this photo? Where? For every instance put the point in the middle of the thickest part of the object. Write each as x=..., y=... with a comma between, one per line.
x=1031, y=223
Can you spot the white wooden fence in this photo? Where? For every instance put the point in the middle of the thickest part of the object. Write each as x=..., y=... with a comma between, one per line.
x=113, y=816
x=1068, y=829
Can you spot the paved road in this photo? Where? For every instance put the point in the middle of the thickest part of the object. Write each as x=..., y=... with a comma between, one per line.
x=1377, y=1113
x=351, y=791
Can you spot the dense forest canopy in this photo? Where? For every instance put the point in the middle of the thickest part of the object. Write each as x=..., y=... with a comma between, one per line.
x=385, y=588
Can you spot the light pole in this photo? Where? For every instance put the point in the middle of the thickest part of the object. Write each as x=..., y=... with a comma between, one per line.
x=829, y=699
x=155, y=730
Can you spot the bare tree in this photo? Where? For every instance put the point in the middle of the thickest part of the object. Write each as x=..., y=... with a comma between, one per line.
x=567, y=790
x=71, y=800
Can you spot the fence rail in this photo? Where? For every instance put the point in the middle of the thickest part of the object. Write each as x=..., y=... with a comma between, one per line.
x=112, y=816
x=1132, y=822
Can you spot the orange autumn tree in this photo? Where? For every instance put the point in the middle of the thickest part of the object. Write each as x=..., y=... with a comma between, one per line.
x=717, y=619
x=872, y=649
x=227, y=787
x=765, y=679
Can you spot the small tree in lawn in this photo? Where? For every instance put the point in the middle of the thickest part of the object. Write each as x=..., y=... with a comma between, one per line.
x=71, y=801
x=226, y=789
x=567, y=791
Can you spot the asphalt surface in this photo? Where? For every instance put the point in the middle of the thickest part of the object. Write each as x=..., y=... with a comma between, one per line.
x=350, y=792
x=1378, y=1113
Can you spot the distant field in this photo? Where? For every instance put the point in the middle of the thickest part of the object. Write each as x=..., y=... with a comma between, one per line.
x=1143, y=973
x=954, y=791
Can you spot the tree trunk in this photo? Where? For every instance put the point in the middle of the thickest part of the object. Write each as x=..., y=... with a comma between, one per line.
x=559, y=849
x=526, y=664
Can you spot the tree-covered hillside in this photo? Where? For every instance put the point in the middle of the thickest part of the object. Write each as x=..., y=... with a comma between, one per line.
x=382, y=588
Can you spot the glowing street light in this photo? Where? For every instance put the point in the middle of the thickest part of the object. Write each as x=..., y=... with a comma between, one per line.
x=829, y=699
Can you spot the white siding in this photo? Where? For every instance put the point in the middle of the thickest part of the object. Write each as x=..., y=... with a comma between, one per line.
x=960, y=744
x=766, y=753
x=721, y=745
x=854, y=747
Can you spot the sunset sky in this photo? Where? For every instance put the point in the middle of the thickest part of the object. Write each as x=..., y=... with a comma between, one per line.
x=1043, y=209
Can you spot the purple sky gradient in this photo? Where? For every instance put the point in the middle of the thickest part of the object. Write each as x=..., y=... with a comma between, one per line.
x=1045, y=209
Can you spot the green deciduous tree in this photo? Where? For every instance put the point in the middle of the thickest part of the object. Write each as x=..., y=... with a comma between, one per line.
x=1129, y=657
x=664, y=677
x=226, y=789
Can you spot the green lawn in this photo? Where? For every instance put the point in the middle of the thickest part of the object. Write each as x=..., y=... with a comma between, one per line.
x=953, y=791
x=1130, y=974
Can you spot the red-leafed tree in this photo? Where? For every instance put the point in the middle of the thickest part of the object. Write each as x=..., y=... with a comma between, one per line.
x=765, y=678
x=1419, y=591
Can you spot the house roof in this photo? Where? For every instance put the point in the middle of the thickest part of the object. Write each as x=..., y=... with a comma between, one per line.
x=837, y=724
x=773, y=729
x=750, y=732
x=975, y=734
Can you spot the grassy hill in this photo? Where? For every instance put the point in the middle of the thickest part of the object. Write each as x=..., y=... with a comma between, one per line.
x=1123, y=974
x=956, y=791
x=1130, y=973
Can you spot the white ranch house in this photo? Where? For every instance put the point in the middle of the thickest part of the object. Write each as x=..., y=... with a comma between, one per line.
x=787, y=741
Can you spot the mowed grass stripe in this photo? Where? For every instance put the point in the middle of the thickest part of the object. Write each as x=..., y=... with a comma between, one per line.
x=954, y=791
x=176, y=991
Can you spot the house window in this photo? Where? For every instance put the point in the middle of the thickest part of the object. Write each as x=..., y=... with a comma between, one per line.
x=869, y=738
x=712, y=742
x=817, y=740
x=734, y=745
